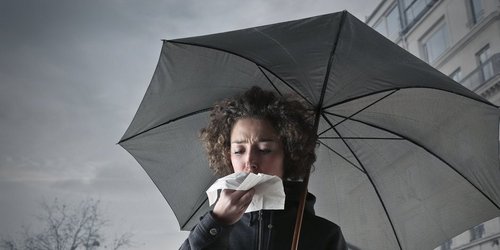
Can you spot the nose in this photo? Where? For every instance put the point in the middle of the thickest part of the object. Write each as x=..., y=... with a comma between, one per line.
x=252, y=162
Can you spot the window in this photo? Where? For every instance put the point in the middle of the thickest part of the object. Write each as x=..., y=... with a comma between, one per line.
x=393, y=23
x=477, y=10
x=477, y=232
x=446, y=245
x=381, y=28
x=485, y=64
x=435, y=44
x=456, y=75
x=414, y=8
x=390, y=24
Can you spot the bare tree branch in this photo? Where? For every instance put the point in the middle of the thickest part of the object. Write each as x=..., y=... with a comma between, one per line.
x=123, y=240
x=67, y=228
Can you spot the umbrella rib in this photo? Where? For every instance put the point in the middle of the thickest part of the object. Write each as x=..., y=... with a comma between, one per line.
x=193, y=214
x=430, y=152
x=338, y=123
x=328, y=68
x=363, y=109
x=357, y=112
x=369, y=179
x=244, y=57
x=269, y=80
x=361, y=138
x=375, y=188
x=326, y=130
x=341, y=156
x=331, y=126
x=279, y=78
x=165, y=123
x=410, y=87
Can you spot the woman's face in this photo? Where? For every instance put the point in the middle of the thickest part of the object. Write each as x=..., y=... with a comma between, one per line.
x=256, y=148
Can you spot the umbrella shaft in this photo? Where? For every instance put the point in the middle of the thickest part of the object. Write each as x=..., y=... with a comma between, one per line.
x=300, y=212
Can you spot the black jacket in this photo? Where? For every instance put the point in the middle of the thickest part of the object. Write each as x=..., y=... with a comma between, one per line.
x=268, y=229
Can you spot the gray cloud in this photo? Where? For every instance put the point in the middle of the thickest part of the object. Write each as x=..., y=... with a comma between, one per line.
x=72, y=74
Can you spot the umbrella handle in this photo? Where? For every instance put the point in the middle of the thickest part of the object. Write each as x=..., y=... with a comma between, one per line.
x=300, y=212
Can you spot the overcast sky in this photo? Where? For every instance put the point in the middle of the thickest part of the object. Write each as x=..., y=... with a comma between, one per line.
x=72, y=74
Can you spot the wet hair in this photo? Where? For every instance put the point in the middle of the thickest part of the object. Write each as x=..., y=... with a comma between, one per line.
x=289, y=116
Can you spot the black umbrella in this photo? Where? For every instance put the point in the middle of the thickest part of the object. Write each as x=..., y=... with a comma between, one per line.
x=407, y=157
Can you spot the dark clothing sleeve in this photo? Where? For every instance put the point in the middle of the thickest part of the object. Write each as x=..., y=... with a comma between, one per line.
x=208, y=234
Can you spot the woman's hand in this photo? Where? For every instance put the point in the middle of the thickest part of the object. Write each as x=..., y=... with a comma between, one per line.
x=232, y=205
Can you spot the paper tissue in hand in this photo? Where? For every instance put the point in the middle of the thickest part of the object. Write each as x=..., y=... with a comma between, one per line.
x=269, y=192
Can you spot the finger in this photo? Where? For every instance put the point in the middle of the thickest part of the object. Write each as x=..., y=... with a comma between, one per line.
x=252, y=191
x=245, y=204
x=227, y=192
x=247, y=196
x=237, y=194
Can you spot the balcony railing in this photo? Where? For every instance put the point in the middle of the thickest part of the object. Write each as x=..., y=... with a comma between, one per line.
x=483, y=73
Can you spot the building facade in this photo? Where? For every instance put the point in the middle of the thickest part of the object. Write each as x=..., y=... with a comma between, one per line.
x=460, y=38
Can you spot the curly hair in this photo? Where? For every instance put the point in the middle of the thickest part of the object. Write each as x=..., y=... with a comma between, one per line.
x=288, y=115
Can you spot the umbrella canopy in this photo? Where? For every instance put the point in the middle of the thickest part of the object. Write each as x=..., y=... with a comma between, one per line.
x=407, y=157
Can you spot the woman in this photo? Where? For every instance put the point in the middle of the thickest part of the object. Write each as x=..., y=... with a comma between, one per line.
x=260, y=132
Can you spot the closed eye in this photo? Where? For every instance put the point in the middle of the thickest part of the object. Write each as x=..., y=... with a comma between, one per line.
x=238, y=150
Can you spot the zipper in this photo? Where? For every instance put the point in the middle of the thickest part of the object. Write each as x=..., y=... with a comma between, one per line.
x=259, y=239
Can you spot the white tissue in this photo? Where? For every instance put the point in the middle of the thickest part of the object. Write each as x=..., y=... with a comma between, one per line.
x=269, y=192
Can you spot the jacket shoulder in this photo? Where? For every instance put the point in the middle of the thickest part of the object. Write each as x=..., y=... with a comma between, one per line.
x=322, y=233
x=320, y=221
